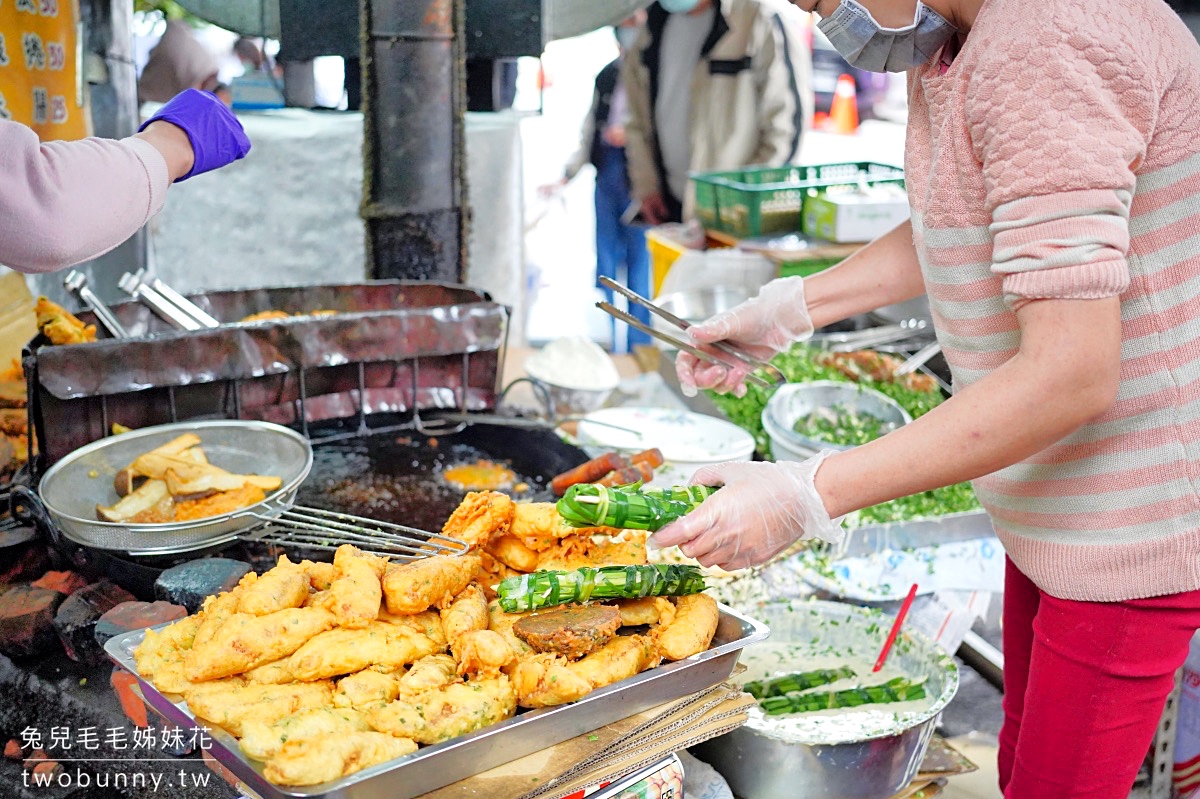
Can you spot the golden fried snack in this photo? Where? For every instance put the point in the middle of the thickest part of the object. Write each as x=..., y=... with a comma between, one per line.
x=320, y=599
x=264, y=316
x=490, y=573
x=545, y=681
x=428, y=623
x=512, y=552
x=219, y=609
x=457, y=709
x=623, y=656
x=344, y=651
x=230, y=706
x=502, y=623
x=482, y=653
x=60, y=325
x=262, y=741
x=481, y=516
x=285, y=586
x=646, y=610
x=160, y=656
x=428, y=582
x=428, y=674
x=691, y=630
x=316, y=760
x=246, y=642
x=320, y=574
x=356, y=589
x=275, y=673
x=539, y=527
x=468, y=612
x=365, y=689
x=594, y=550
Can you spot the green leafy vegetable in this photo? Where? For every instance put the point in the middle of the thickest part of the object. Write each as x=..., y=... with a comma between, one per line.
x=629, y=507
x=901, y=689
x=544, y=589
x=792, y=683
x=841, y=426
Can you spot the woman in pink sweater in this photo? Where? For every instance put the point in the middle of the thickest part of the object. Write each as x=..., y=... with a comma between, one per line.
x=66, y=202
x=1053, y=169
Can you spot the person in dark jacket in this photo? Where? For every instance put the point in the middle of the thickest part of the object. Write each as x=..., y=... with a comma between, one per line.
x=620, y=247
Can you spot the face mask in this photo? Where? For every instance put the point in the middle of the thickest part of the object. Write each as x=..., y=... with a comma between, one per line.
x=626, y=37
x=865, y=44
x=678, y=6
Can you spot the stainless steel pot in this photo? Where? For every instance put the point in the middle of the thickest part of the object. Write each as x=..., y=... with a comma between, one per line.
x=761, y=764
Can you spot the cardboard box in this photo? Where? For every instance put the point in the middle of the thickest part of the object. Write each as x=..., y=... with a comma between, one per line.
x=855, y=216
x=17, y=322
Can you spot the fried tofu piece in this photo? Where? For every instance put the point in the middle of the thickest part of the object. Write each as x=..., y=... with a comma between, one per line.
x=645, y=610
x=356, y=590
x=262, y=741
x=285, y=586
x=366, y=689
x=482, y=653
x=344, y=651
x=545, y=681
x=512, y=552
x=316, y=760
x=229, y=706
x=428, y=674
x=468, y=612
x=456, y=709
x=691, y=630
x=480, y=517
x=245, y=642
x=428, y=582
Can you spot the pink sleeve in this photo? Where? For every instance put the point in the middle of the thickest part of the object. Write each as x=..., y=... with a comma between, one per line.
x=65, y=202
x=1059, y=125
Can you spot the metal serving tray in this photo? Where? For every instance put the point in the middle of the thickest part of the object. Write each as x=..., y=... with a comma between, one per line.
x=432, y=767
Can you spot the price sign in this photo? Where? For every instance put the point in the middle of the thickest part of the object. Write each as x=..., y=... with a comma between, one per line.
x=39, y=67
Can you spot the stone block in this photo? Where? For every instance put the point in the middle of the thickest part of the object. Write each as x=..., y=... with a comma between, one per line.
x=188, y=584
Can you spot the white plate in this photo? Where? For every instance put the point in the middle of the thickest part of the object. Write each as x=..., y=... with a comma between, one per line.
x=687, y=440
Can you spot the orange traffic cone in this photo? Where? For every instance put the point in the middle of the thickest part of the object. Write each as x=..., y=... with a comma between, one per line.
x=843, y=113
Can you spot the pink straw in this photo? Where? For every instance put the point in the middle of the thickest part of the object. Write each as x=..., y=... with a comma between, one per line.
x=891, y=639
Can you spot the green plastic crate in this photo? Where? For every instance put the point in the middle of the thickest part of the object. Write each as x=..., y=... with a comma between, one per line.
x=760, y=201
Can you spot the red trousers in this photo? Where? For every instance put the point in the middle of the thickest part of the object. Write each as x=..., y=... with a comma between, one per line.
x=1084, y=688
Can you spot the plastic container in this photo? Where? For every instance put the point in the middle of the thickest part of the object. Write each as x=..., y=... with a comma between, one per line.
x=794, y=400
x=763, y=200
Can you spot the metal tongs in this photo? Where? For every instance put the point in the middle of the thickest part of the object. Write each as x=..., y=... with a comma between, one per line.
x=167, y=303
x=726, y=354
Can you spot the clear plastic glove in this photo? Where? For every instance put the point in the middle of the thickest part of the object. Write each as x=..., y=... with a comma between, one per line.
x=762, y=509
x=216, y=134
x=763, y=327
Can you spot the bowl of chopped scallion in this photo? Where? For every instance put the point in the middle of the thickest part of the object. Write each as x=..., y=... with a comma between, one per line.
x=801, y=419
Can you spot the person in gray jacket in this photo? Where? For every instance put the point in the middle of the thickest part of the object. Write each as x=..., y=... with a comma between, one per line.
x=713, y=85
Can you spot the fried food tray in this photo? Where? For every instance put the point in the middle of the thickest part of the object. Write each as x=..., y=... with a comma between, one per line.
x=432, y=767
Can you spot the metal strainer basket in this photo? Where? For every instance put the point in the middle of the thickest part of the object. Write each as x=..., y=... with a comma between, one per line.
x=73, y=487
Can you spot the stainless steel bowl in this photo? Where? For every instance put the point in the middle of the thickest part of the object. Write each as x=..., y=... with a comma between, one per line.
x=758, y=761
x=695, y=306
x=794, y=400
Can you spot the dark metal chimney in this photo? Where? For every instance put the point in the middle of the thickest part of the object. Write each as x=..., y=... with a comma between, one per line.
x=414, y=97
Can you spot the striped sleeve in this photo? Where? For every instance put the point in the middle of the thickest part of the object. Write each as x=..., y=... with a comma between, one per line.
x=1059, y=178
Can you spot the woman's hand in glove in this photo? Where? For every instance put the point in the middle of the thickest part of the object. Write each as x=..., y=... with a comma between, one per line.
x=216, y=135
x=760, y=511
x=763, y=326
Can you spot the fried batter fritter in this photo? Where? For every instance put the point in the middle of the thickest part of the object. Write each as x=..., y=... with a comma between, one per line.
x=428, y=582
x=285, y=586
x=457, y=709
x=262, y=741
x=245, y=642
x=512, y=552
x=467, y=612
x=691, y=630
x=316, y=760
x=356, y=589
x=230, y=706
x=481, y=516
x=482, y=653
x=428, y=674
x=366, y=689
x=343, y=651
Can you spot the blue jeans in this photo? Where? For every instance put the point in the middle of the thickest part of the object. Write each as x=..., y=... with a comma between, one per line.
x=619, y=247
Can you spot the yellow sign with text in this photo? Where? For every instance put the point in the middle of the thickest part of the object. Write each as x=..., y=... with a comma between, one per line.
x=39, y=67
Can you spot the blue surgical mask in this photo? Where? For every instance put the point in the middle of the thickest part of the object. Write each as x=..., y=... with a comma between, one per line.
x=865, y=44
x=678, y=6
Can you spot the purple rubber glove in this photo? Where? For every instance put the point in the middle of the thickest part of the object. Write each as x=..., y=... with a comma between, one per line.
x=763, y=327
x=216, y=135
x=762, y=510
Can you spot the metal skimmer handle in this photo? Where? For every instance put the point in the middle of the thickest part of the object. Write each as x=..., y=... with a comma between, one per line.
x=313, y=528
x=76, y=283
x=183, y=303
x=131, y=284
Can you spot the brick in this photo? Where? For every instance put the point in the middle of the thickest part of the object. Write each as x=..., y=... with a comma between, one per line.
x=65, y=583
x=129, y=616
x=27, y=621
x=190, y=583
x=35, y=757
x=13, y=751
x=135, y=709
x=75, y=621
x=47, y=767
x=24, y=562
